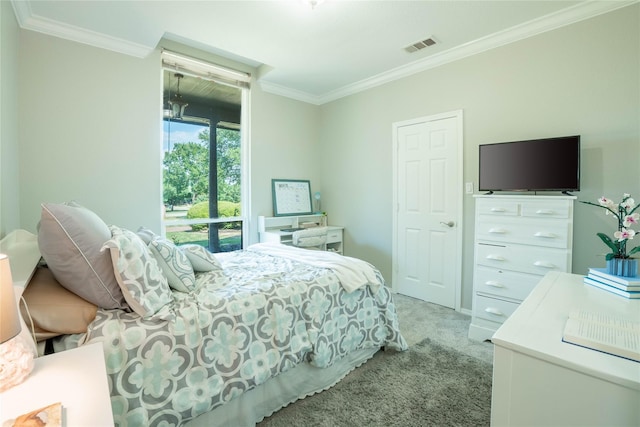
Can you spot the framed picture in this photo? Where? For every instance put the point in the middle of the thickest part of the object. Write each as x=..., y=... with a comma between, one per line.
x=291, y=197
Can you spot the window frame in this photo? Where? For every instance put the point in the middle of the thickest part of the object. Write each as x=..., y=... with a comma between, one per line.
x=179, y=64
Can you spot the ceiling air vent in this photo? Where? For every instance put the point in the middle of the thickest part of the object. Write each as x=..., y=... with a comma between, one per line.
x=420, y=45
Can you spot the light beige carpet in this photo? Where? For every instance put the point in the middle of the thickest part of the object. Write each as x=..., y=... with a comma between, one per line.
x=443, y=380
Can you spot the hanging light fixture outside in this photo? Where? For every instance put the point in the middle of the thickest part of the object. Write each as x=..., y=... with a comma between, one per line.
x=177, y=103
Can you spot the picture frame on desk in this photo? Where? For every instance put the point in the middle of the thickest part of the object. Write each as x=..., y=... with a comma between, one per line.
x=291, y=197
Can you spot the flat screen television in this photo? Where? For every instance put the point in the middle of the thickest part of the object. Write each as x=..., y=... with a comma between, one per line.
x=550, y=164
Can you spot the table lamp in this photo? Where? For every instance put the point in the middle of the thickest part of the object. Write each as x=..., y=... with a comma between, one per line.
x=16, y=359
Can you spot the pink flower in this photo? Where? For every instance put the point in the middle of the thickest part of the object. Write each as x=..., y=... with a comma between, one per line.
x=628, y=204
x=633, y=219
x=624, y=234
x=605, y=202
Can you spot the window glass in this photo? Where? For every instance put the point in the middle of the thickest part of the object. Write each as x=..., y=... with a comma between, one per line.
x=202, y=161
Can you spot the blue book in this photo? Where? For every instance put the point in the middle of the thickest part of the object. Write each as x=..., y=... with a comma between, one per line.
x=627, y=283
x=606, y=287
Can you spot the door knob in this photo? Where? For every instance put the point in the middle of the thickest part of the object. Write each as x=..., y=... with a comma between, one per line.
x=448, y=224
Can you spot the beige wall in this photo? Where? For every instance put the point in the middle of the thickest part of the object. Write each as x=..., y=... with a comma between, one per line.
x=581, y=79
x=9, y=179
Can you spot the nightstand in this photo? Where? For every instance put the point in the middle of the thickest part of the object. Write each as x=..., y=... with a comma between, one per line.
x=77, y=378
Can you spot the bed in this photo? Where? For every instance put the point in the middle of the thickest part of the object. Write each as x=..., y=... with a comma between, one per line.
x=194, y=338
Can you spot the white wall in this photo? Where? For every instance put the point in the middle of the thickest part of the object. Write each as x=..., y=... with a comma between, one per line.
x=581, y=79
x=89, y=130
x=92, y=133
x=9, y=179
x=284, y=145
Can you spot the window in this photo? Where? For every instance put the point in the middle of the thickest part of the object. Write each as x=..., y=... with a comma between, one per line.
x=204, y=185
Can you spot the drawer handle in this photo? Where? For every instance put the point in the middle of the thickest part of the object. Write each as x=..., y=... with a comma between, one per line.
x=498, y=210
x=546, y=234
x=544, y=264
x=494, y=284
x=495, y=257
x=494, y=311
x=545, y=212
x=497, y=231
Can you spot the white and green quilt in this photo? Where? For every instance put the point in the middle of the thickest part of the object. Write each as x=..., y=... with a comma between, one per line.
x=259, y=315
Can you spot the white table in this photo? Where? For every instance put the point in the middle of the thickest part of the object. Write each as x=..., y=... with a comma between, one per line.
x=77, y=378
x=539, y=380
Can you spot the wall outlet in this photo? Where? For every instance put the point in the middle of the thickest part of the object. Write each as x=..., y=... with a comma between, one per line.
x=468, y=187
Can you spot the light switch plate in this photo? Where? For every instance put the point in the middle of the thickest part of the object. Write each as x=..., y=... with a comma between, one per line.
x=468, y=187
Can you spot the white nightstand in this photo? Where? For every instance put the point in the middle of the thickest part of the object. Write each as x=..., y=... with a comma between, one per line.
x=77, y=378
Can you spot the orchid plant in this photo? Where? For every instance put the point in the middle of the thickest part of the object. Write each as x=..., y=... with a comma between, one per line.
x=625, y=214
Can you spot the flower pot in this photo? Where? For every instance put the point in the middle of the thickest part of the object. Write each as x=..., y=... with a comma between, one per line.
x=627, y=267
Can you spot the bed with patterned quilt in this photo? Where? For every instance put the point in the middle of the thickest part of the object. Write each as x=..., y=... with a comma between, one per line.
x=195, y=338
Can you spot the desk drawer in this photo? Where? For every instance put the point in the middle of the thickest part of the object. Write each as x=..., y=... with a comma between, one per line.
x=334, y=236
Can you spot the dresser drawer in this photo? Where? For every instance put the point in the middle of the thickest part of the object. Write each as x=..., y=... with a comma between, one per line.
x=547, y=209
x=544, y=232
x=526, y=259
x=496, y=207
x=504, y=283
x=493, y=309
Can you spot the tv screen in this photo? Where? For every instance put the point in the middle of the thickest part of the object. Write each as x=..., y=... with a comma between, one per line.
x=551, y=164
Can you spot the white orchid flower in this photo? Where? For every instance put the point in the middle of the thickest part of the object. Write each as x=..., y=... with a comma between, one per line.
x=624, y=234
x=630, y=220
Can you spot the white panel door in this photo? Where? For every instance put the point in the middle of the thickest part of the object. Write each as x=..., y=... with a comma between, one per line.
x=427, y=235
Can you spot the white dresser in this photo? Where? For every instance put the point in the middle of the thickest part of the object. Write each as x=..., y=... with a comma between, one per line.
x=518, y=239
x=540, y=380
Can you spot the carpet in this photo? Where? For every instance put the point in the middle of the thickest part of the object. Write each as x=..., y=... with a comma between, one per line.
x=428, y=385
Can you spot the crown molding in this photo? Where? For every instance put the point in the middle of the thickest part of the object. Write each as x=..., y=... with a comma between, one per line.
x=585, y=10
x=29, y=21
x=287, y=92
x=571, y=15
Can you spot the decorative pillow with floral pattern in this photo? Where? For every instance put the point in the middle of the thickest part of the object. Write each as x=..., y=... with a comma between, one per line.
x=144, y=286
x=201, y=259
x=174, y=264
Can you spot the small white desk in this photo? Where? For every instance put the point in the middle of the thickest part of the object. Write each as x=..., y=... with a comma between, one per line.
x=270, y=230
x=77, y=378
x=539, y=380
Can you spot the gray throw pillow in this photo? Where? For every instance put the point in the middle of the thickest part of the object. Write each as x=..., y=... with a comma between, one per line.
x=70, y=237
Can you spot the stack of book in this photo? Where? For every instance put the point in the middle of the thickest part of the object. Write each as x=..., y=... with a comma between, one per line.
x=628, y=287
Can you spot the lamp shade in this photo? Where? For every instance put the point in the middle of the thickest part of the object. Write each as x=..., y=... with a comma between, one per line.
x=9, y=319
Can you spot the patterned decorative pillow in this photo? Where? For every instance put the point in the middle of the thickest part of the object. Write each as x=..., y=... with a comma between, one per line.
x=201, y=259
x=143, y=285
x=174, y=264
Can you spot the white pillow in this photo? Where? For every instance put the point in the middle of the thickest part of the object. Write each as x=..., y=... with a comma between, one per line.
x=143, y=285
x=201, y=259
x=174, y=264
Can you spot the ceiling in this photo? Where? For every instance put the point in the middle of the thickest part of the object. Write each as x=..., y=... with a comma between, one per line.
x=312, y=54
